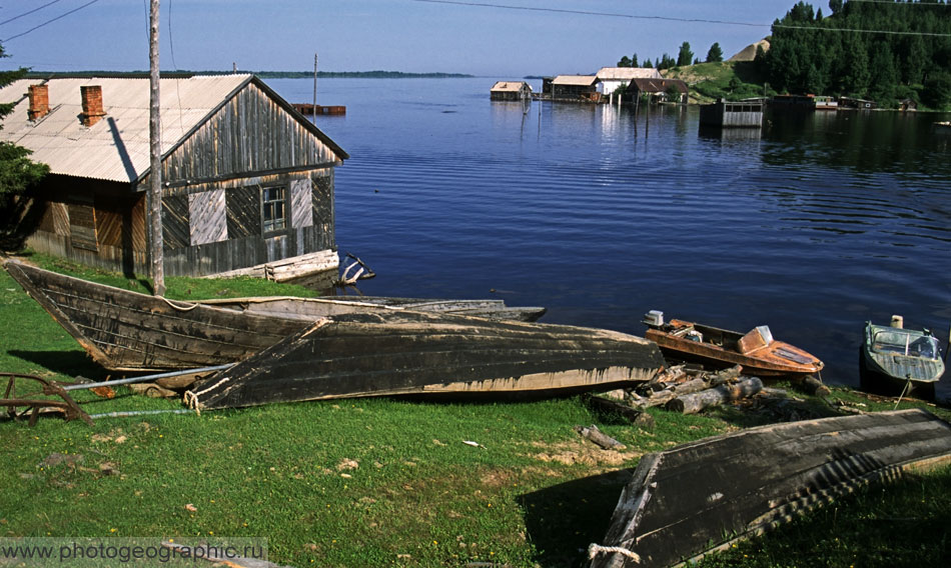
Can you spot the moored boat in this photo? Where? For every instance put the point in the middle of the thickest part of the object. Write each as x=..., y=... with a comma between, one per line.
x=133, y=332
x=901, y=361
x=756, y=351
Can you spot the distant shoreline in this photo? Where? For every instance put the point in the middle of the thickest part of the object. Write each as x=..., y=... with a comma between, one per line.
x=261, y=74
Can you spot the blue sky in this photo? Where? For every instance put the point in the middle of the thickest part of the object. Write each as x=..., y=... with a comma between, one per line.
x=364, y=35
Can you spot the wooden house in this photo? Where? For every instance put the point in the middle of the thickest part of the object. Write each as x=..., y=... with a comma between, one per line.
x=575, y=87
x=510, y=91
x=611, y=79
x=248, y=182
x=657, y=88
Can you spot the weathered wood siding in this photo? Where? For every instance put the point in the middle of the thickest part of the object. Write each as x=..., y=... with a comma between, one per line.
x=251, y=133
x=212, y=208
x=309, y=204
x=92, y=222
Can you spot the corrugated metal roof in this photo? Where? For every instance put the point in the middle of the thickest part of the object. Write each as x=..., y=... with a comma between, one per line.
x=628, y=73
x=117, y=147
x=582, y=80
x=659, y=85
x=509, y=86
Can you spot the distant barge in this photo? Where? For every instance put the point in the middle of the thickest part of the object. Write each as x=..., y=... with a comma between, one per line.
x=308, y=109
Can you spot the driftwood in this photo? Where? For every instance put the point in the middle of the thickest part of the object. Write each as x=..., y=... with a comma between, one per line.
x=629, y=413
x=598, y=437
x=662, y=397
x=726, y=376
x=694, y=403
x=814, y=386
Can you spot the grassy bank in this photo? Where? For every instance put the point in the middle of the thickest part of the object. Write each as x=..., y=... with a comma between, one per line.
x=377, y=482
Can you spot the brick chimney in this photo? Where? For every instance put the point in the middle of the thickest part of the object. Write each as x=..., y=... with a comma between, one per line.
x=39, y=102
x=92, y=104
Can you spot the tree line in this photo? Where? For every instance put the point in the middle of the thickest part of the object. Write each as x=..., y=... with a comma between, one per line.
x=904, y=52
x=684, y=57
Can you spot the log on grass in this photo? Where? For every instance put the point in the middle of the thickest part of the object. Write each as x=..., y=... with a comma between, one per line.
x=661, y=398
x=726, y=376
x=631, y=414
x=695, y=402
x=814, y=386
x=600, y=438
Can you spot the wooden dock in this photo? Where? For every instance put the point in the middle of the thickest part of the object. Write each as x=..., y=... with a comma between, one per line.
x=701, y=497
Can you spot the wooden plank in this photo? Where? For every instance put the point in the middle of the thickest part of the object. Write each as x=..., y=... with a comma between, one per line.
x=207, y=215
x=175, y=222
x=690, y=500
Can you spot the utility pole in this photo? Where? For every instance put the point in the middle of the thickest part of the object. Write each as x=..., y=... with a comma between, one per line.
x=155, y=149
x=314, y=109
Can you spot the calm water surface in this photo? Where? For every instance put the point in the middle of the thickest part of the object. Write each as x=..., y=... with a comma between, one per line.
x=812, y=226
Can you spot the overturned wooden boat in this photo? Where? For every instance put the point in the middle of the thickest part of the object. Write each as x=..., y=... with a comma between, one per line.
x=408, y=353
x=757, y=352
x=132, y=332
x=313, y=308
x=703, y=496
x=899, y=360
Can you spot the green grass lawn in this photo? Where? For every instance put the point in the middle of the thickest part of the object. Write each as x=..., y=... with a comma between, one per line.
x=373, y=482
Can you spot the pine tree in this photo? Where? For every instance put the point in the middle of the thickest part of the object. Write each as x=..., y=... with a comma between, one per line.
x=685, y=57
x=715, y=54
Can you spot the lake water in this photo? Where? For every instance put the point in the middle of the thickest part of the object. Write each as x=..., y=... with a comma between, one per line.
x=813, y=225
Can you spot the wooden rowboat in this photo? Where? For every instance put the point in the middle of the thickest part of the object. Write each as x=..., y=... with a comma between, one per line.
x=128, y=331
x=353, y=349
x=757, y=352
x=903, y=361
x=405, y=353
x=313, y=308
x=703, y=496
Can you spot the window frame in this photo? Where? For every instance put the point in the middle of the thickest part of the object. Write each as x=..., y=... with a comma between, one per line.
x=271, y=222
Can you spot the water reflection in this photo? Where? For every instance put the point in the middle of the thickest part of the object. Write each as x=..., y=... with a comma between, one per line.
x=812, y=225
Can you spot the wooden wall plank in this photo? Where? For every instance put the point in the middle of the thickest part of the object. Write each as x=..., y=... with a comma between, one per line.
x=175, y=222
x=206, y=212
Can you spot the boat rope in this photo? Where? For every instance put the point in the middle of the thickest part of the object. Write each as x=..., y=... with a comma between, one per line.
x=905, y=388
x=191, y=398
x=596, y=549
x=179, y=308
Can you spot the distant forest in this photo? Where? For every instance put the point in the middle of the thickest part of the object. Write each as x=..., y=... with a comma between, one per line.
x=908, y=56
x=357, y=75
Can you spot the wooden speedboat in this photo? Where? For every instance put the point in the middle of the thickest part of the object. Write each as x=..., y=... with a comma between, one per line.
x=128, y=331
x=756, y=351
x=704, y=496
x=393, y=352
x=902, y=360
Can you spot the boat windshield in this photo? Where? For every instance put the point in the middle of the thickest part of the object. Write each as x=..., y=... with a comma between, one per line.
x=903, y=343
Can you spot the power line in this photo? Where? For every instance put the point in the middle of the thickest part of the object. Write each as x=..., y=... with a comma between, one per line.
x=28, y=13
x=50, y=21
x=591, y=13
x=684, y=20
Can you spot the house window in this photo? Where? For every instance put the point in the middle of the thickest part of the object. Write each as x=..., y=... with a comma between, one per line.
x=273, y=208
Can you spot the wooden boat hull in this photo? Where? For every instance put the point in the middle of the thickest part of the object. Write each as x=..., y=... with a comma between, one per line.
x=314, y=308
x=778, y=359
x=131, y=332
x=703, y=496
x=406, y=353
